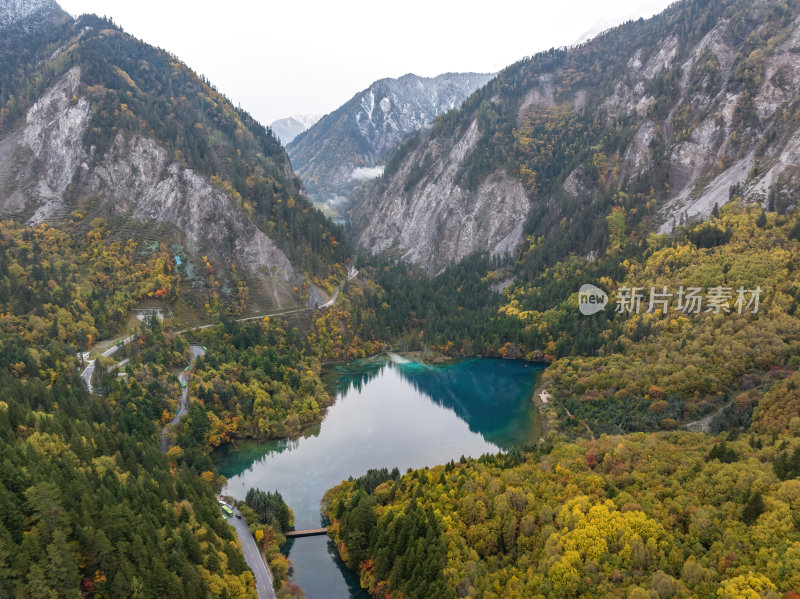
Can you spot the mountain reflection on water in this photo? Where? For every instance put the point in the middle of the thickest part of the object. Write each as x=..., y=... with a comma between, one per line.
x=483, y=392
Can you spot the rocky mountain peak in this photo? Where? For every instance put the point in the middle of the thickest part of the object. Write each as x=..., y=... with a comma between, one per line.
x=290, y=127
x=96, y=138
x=345, y=146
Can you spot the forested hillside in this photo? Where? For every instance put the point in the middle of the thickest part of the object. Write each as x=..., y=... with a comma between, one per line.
x=125, y=179
x=258, y=379
x=656, y=370
x=94, y=122
x=660, y=157
x=618, y=372
x=88, y=504
x=671, y=112
x=640, y=516
x=599, y=509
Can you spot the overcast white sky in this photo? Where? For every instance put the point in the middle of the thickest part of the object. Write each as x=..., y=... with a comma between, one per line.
x=301, y=56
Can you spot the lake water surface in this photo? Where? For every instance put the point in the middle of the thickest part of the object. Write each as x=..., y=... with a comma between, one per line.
x=388, y=412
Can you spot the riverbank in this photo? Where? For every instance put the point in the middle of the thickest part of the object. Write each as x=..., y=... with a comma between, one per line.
x=429, y=357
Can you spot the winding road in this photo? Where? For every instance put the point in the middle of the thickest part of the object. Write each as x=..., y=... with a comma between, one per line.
x=247, y=319
x=197, y=351
x=87, y=373
x=261, y=572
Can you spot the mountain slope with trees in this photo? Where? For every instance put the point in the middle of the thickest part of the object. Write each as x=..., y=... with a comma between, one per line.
x=96, y=123
x=639, y=516
x=671, y=112
x=601, y=509
x=89, y=506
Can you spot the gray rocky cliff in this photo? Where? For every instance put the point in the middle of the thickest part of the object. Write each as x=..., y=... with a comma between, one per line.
x=44, y=166
x=437, y=221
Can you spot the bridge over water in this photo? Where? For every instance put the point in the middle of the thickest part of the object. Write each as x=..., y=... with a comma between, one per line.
x=308, y=532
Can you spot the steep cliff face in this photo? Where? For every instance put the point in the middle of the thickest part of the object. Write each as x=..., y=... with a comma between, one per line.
x=126, y=133
x=343, y=147
x=41, y=160
x=135, y=177
x=656, y=119
x=437, y=221
x=708, y=155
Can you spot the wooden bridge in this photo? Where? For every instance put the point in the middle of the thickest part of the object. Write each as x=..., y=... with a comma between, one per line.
x=309, y=532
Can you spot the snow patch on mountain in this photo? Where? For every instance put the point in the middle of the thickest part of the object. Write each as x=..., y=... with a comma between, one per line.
x=13, y=11
x=290, y=127
x=345, y=145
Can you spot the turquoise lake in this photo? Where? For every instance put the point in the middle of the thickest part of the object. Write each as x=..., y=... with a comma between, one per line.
x=388, y=412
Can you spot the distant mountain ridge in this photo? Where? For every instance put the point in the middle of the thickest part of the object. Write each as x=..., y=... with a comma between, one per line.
x=608, y=22
x=359, y=133
x=290, y=127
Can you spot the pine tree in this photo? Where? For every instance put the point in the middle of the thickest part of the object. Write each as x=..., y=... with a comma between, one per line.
x=753, y=509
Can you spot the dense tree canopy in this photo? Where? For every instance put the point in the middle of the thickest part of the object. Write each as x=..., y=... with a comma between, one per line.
x=88, y=504
x=633, y=516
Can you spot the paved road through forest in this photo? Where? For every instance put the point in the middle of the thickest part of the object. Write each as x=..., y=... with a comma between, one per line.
x=87, y=373
x=197, y=351
x=252, y=555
